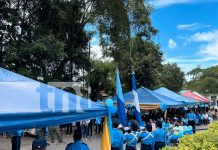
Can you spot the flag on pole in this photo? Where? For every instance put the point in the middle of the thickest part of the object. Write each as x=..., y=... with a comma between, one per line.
x=136, y=100
x=105, y=139
x=120, y=101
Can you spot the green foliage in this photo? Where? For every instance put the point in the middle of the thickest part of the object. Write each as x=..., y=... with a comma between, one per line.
x=172, y=77
x=102, y=78
x=48, y=40
x=45, y=39
x=204, y=80
x=204, y=140
x=146, y=62
x=41, y=57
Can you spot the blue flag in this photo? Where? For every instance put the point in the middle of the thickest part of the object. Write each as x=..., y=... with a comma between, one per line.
x=136, y=100
x=120, y=101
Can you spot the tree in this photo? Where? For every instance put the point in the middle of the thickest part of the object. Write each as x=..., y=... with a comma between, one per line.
x=146, y=62
x=207, y=82
x=102, y=78
x=45, y=39
x=195, y=73
x=48, y=40
x=172, y=77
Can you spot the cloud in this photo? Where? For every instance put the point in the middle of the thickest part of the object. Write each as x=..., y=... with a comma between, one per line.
x=96, y=51
x=164, y=3
x=204, y=36
x=193, y=26
x=171, y=43
x=209, y=44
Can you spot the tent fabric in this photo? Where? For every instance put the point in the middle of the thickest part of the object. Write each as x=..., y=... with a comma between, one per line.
x=177, y=97
x=148, y=97
x=26, y=103
x=196, y=93
x=194, y=96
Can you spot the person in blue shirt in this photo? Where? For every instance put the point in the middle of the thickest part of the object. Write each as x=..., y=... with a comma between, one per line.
x=117, y=136
x=147, y=138
x=191, y=119
x=16, y=139
x=78, y=144
x=159, y=136
x=98, y=125
x=131, y=138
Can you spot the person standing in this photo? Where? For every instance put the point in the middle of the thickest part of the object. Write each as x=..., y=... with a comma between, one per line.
x=131, y=138
x=98, y=125
x=191, y=119
x=78, y=144
x=147, y=138
x=90, y=127
x=117, y=136
x=159, y=136
x=16, y=139
x=85, y=129
x=54, y=131
x=69, y=129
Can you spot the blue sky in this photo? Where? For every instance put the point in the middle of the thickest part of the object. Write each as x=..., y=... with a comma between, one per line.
x=188, y=31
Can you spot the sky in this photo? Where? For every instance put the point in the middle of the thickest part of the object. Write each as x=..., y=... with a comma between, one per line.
x=188, y=32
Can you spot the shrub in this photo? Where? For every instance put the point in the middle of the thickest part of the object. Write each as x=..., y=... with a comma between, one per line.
x=204, y=140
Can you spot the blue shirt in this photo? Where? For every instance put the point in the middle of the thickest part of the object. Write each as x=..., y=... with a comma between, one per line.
x=191, y=116
x=98, y=121
x=18, y=133
x=117, y=137
x=146, y=137
x=77, y=145
x=131, y=139
x=129, y=123
x=159, y=135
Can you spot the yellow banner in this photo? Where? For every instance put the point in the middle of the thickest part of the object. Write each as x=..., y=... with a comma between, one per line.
x=105, y=139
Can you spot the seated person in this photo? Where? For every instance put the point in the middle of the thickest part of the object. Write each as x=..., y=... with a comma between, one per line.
x=78, y=144
x=177, y=133
x=190, y=129
x=185, y=130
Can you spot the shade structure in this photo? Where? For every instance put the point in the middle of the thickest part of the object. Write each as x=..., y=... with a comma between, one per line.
x=148, y=97
x=194, y=96
x=196, y=93
x=26, y=103
x=177, y=97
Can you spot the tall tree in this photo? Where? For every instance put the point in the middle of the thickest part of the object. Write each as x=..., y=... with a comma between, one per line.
x=172, y=77
x=47, y=27
x=125, y=29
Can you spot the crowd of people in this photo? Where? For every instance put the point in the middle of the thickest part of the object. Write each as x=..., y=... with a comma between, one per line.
x=155, y=133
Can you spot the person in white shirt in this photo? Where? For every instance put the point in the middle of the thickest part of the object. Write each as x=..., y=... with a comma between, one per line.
x=205, y=116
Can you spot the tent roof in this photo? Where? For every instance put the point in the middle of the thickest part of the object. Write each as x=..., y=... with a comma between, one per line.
x=177, y=97
x=196, y=93
x=26, y=103
x=194, y=96
x=148, y=97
